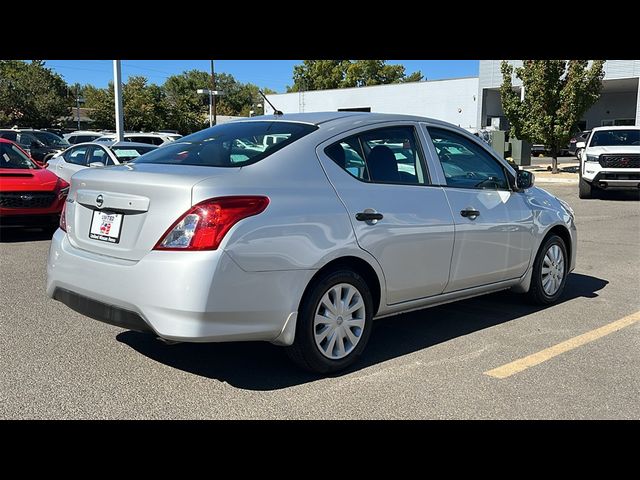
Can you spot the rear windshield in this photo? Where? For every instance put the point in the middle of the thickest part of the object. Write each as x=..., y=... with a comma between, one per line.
x=233, y=144
x=607, y=138
x=12, y=157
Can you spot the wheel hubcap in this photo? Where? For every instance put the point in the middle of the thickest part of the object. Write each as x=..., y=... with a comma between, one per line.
x=552, y=270
x=339, y=321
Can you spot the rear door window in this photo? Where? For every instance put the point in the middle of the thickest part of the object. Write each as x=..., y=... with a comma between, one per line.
x=383, y=155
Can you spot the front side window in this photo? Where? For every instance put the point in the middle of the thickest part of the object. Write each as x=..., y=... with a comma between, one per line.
x=12, y=157
x=466, y=164
x=233, y=144
x=383, y=155
x=77, y=155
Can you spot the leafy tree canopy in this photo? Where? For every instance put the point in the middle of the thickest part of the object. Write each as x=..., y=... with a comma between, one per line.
x=31, y=95
x=327, y=74
x=557, y=93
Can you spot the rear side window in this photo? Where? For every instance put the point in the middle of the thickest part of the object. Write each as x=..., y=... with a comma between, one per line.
x=383, y=155
x=127, y=154
x=233, y=144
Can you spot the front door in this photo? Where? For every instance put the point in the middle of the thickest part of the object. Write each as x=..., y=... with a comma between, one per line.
x=381, y=177
x=494, y=225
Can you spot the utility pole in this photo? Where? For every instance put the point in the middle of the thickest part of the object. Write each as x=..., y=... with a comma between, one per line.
x=212, y=98
x=78, y=105
x=117, y=90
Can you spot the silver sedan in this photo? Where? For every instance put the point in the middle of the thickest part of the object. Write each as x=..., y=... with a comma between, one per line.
x=349, y=217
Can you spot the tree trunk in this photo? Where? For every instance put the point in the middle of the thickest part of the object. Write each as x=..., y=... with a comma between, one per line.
x=554, y=161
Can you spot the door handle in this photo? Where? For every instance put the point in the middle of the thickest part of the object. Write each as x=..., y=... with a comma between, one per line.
x=470, y=213
x=369, y=216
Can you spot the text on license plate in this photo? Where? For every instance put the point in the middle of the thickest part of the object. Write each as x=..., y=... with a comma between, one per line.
x=106, y=226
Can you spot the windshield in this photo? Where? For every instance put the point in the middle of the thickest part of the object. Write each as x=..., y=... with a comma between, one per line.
x=606, y=138
x=233, y=144
x=51, y=139
x=127, y=153
x=12, y=157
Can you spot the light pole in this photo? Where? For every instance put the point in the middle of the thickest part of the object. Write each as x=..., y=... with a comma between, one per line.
x=79, y=100
x=212, y=94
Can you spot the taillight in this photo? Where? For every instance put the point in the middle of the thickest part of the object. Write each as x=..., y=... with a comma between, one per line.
x=63, y=217
x=204, y=225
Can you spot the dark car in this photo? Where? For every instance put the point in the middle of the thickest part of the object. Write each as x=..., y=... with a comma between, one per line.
x=40, y=145
x=578, y=137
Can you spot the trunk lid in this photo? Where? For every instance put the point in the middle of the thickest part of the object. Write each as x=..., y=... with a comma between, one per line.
x=139, y=201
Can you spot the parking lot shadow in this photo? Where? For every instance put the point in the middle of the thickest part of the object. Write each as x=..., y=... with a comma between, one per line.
x=15, y=235
x=622, y=195
x=262, y=366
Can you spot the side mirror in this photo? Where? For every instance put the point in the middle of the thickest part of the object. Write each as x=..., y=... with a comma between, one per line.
x=524, y=179
x=96, y=164
x=580, y=144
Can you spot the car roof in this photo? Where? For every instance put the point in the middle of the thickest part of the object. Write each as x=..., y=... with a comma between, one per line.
x=617, y=127
x=319, y=118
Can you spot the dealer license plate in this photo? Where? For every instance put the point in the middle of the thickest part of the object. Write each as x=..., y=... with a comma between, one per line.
x=105, y=226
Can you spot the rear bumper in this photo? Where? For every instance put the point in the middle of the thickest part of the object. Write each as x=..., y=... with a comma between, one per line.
x=182, y=296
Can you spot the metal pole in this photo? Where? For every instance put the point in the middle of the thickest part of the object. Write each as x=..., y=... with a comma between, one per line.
x=78, y=106
x=117, y=90
x=212, y=97
x=210, y=108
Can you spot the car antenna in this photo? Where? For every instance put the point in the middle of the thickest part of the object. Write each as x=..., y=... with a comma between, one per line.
x=275, y=110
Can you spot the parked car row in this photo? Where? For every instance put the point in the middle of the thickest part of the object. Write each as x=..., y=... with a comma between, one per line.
x=29, y=194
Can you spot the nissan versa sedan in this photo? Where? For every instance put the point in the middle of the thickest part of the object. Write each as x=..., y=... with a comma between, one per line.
x=349, y=217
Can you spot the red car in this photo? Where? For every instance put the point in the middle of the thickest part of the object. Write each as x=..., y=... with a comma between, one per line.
x=29, y=194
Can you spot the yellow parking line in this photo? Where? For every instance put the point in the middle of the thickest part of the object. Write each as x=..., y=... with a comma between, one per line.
x=543, y=355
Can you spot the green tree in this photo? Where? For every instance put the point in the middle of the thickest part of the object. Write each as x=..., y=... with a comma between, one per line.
x=327, y=74
x=143, y=105
x=556, y=95
x=101, y=106
x=31, y=94
x=186, y=109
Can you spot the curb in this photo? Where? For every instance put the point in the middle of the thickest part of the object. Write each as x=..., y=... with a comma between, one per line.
x=557, y=180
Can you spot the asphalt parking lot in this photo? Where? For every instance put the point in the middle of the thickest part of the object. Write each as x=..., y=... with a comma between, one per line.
x=422, y=365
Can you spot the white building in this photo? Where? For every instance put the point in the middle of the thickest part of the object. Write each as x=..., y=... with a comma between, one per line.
x=453, y=100
x=468, y=102
x=619, y=102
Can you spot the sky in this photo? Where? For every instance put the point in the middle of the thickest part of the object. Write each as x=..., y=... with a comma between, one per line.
x=275, y=74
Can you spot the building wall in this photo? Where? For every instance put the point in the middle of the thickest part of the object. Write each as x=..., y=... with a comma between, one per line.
x=612, y=106
x=489, y=77
x=453, y=101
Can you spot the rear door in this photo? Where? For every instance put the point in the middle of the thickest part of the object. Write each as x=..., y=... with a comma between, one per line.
x=398, y=217
x=73, y=160
x=494, y=225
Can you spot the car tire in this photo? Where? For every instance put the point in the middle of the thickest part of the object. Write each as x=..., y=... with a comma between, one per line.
x=545, y=289
x=585, y=189
x=326, y=347
x=578, y=153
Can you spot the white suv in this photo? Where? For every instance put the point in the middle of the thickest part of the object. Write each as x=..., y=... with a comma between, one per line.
x=610, y=159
